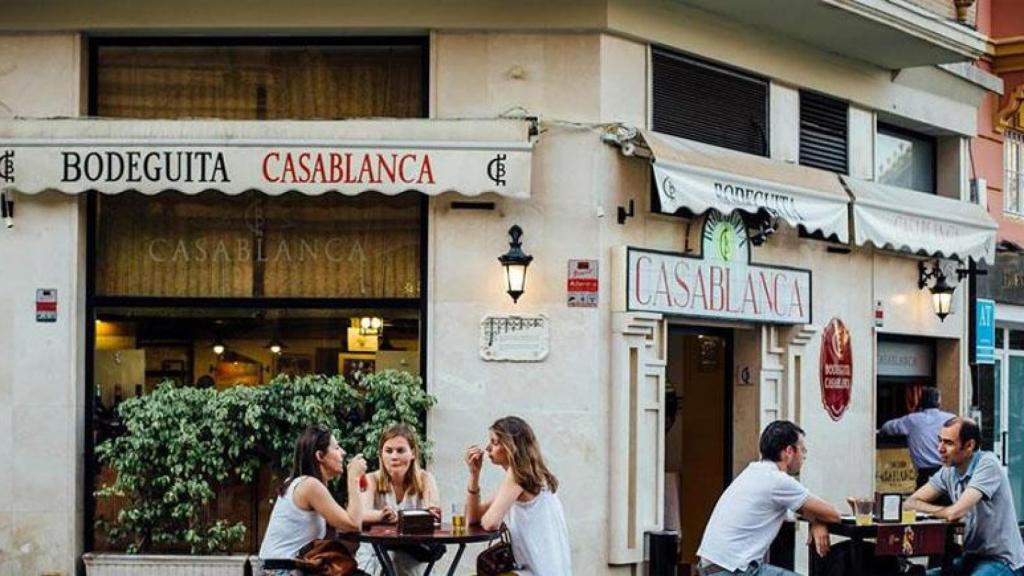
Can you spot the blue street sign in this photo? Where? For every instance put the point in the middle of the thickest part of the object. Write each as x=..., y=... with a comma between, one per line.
x=985, y=331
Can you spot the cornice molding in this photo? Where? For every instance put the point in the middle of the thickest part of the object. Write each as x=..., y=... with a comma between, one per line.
x=1008, y=55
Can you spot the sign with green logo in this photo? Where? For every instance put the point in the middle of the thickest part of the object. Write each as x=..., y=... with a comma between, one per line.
x=721, y=284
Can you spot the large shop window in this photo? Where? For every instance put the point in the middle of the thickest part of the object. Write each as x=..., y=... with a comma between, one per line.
x=710, y=103
x=905, y=159
x=824, y=127
x=211, y=290
x=1013, y=183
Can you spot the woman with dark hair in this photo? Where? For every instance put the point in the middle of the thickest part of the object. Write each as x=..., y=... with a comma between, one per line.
x=525, y=501
x=399, y=484
x=305, y=506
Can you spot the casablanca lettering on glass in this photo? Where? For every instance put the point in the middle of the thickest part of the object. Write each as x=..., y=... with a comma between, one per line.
x=723, y=284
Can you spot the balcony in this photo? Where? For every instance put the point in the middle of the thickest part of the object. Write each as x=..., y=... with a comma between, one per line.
x=892, y=34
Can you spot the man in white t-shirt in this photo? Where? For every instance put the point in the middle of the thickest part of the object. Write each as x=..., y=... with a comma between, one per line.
x=750, y=512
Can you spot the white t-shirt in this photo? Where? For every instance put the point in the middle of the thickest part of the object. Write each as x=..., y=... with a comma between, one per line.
x=749, y=514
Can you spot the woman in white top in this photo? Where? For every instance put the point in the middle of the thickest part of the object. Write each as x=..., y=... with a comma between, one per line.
x=399, y=484
x=525, y=501
x=304, y=505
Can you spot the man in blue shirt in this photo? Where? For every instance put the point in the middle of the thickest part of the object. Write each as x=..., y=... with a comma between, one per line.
x=922, y=431
x=980, y=491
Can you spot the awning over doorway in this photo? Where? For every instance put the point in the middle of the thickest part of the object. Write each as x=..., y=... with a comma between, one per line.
x=700, y=177
x=470, y=157
x=919, y=223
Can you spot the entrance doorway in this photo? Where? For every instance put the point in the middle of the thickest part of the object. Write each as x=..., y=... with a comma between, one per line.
x=698, y=429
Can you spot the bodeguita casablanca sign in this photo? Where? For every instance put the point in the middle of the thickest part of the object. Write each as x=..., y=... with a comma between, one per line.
x=723, y=284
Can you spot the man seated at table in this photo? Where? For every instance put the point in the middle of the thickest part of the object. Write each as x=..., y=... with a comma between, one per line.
x=750, y=512
x=980, y=491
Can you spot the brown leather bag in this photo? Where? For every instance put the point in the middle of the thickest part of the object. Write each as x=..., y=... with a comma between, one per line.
x=497, y=558
x=327, y=558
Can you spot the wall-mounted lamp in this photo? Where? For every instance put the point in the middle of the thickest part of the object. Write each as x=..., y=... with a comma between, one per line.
x=515, y=262
x=371, y=326
x=7, y=207
x=942, y=292
x=218, y=346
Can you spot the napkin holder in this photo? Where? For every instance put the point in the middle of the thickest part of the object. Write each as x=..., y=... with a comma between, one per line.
x=415, y=522
x=889, y=507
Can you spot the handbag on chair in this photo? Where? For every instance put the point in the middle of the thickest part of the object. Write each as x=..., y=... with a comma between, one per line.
x=327, y=557
x=497, y=558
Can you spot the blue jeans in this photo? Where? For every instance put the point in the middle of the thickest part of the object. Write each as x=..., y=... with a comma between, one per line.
x=755, y=569
x=978, y=566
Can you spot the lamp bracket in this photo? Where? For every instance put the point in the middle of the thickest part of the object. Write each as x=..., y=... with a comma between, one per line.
x=624, y=213
x=926, y=273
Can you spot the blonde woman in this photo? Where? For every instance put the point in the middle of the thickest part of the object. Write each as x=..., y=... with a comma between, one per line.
x=399, y=484
x=525, y=500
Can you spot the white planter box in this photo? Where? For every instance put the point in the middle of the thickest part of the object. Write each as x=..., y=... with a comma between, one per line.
x=152, y=565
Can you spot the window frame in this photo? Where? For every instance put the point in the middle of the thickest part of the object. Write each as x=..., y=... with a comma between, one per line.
x=723, y=69
x=1013, y=141
x=846, y=134
x=889, y=129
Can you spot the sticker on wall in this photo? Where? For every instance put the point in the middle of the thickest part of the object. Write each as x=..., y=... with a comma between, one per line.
x=836, y=368
x=582, y=284
x=514, y=338
x=46, y=305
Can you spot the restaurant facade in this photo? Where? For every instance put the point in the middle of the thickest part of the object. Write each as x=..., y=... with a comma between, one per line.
x=729, y=225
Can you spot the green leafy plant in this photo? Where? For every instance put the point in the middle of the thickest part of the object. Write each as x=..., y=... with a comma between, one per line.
x=182, y=445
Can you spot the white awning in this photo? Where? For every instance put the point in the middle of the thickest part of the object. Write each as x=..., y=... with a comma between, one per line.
x=470, y=157
x=919, y=223
x=699, y=177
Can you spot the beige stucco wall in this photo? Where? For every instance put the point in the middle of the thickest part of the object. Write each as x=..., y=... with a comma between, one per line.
x=572, y=81
x=41, y=421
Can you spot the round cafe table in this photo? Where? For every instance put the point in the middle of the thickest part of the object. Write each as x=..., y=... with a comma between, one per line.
x=383, y=537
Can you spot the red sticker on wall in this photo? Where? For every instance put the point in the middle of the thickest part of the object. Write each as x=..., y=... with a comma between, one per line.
x=836, y=368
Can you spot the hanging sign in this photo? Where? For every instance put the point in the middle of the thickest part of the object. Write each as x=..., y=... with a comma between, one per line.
x=46, y=305
x=836, y=368
x=582, y=284
x=723, y=285
x=985, y=332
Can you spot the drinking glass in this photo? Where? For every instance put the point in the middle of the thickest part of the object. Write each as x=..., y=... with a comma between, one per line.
x=864, y=511
x=458, y=517
x=909, y=516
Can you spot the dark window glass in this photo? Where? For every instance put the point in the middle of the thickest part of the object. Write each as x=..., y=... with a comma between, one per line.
x=709, y=103
x=1016, y=339
x=905, y=159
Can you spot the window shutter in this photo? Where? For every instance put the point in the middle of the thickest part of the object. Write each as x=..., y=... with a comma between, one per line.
x=709, y=103
x=823, y=132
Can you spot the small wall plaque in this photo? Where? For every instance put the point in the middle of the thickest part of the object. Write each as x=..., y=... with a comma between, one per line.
x=514, y=338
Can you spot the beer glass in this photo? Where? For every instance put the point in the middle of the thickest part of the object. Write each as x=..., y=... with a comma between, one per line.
x=458, y=517
x=864, y=509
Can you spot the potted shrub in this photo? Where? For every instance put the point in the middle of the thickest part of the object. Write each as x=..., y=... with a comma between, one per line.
x=183, y=445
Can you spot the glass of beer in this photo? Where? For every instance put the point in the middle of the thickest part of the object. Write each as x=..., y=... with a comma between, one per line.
x=864, y=511
x=458, y=517
x=909, y=516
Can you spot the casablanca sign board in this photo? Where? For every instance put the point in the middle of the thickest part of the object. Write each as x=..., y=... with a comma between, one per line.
x=723, y=285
